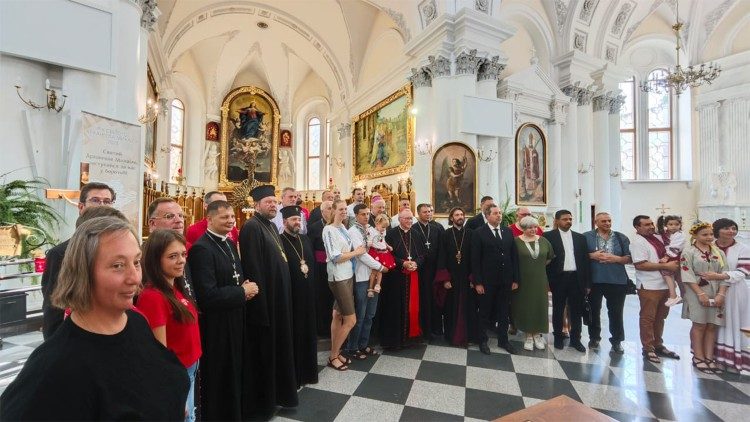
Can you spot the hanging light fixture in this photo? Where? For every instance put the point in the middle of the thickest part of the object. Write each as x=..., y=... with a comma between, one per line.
x=680, y=78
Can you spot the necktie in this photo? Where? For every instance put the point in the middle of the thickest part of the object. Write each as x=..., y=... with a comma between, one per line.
x=497, y=234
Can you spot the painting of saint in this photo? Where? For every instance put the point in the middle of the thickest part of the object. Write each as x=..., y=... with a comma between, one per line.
x=454, y=173
x=531, y=184
x=286, y=139
x=212, y=131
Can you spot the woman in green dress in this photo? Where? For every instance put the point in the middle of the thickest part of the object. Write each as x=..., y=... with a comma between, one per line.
x=530, y=304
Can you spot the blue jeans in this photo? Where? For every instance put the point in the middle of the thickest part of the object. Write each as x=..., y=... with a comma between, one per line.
x=365, y=308
x=190, y=404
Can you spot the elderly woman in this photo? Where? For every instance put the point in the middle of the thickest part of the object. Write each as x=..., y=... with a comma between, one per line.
x=340, y=264
x=702, y=266
x=530, y=304
x=731, y=345
x=103, y=362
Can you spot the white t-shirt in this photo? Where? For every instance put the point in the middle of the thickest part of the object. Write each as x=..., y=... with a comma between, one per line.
x=640, y=251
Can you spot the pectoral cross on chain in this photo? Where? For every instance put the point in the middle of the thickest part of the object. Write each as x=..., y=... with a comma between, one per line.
x=427, y=243
x=236, y=277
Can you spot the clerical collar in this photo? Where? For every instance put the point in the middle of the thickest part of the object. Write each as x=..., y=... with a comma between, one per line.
x=403, y=229
x=425, y=224
x=458, y=227
x=222, y=238
x=290, y=234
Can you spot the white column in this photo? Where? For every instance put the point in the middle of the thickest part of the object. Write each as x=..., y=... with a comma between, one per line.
x=424, y=131
x=734, y=146
x=585, y=159
x=554, y=166
x=569, y=159
x=709, y=147
x=601, y=153
x=615, y=187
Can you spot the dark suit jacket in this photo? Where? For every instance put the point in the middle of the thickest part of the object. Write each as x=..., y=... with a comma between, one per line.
x=52, y=317
x=475, y=222
x=494, y=261
x=581, y=252
x=315, y=215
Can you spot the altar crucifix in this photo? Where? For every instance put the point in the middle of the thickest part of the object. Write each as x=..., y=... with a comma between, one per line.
x=663, y=209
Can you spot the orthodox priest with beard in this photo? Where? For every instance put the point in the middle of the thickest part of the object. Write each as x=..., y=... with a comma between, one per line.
x=460, y=306
x=268, y=371
x=299, y=252
x=399, y=297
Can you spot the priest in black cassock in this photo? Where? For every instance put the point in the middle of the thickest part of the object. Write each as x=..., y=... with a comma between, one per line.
x=323, y=295
x=221, y=292
x=399, y=298
x=268, y=378
x=460, y=305
x=299, y=252
x=430, y=315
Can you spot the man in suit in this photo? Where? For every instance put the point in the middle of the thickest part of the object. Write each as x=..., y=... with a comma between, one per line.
x=494, y=266
x=316, y=214
x=569, y=278
x=476, y=222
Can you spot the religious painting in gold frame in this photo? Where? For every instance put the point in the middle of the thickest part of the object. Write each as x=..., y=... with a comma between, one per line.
x=250, y=121
x=153, y=95
x=383, y=139
x=531, y=165
x=454, y=179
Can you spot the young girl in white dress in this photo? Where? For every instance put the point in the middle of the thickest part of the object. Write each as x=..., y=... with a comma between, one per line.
x=670, y=233
x=380, y=250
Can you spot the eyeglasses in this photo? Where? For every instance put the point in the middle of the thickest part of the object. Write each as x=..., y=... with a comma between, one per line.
x=170, y=216
x=99, y=201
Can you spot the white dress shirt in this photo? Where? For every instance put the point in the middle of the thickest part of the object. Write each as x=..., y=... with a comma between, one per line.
x=570, y=258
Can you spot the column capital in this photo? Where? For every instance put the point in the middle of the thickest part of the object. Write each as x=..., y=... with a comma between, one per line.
x=345, y=130
x=581, y=96
x=490, y=69
x=616, y=104
x=468, y=62
x=150, y=13
x=420, y=77
x=439, y=66
x=602, y=102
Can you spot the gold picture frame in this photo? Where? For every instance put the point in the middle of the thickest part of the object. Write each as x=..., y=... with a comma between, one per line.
x=383, y=137
x=454, y=168
x=250, y=121
x=152, y=93
x=531, y=165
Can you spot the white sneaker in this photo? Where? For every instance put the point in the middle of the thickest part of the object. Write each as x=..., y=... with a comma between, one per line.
x=672, y=302
x=529, y=344
x=539, y=342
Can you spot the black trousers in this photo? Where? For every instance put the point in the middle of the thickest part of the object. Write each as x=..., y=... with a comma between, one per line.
x=615, y=295
x=566, y=290
x=494, y=305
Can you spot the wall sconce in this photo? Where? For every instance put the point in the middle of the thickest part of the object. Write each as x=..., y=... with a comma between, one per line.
x=486, y=155
x=152, y=112
x=51, y=99
x=615, y=173
x=585, y=168
x=424, y=146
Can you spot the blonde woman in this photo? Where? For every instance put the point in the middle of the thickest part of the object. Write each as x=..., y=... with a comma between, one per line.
x=702, y=266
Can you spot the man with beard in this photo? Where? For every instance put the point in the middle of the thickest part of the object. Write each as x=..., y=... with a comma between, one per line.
x=429, y=315
x=289, y=198
x=399, y=298
x=299, y=252
x=460, y=305
x=323, y=295
x=222, y=293
x=268, y=371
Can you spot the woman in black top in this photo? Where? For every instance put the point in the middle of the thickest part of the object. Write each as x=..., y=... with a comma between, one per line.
x=103, y=362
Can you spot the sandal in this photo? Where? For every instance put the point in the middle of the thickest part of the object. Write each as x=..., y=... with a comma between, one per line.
x=705, y=369
x=651, y=356
x=345, y=360
x=370, y=351
x=713, y=366
x=341, y=366
x=664, y=352
x=359, y=355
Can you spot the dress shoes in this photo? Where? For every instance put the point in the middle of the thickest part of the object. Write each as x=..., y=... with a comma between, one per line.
x=559, y=343
x=507, y=346
x=617, y=348
x=594, y=344
x=578, y=346
x=484, y=348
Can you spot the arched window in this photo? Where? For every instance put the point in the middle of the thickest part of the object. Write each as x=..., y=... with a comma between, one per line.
x=659, y=129
x=176, y=140
x=627, y=131
x=314, y=168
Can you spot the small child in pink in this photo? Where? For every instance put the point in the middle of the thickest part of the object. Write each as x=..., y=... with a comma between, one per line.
x=670, y=233
x=380, y=250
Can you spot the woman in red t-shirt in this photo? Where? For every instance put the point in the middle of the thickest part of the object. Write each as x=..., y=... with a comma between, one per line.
x=171, y=313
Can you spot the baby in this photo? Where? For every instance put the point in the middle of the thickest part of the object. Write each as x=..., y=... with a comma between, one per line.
x=670, y=233
x=380, y=250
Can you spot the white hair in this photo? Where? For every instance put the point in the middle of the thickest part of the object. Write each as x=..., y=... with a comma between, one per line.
x=528, y=222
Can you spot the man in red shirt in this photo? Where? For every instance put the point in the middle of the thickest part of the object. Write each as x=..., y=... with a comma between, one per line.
x=197, y=230
x=516, y=228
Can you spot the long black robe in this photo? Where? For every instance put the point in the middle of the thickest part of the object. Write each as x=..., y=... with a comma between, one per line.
x=395, y=295
x=323, y=296
x=303, y=308
x=460, y=304
x=221, y=302
x=268, y=377
x=429, y=314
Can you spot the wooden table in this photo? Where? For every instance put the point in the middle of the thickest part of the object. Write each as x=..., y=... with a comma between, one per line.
x=560, y=408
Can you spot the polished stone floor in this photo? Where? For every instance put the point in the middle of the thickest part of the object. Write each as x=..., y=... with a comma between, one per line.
x=437, y=382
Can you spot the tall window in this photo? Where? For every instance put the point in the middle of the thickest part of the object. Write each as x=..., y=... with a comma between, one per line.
x=313, y=154
x=659, y=130
x=176, y=140
x=627, y=131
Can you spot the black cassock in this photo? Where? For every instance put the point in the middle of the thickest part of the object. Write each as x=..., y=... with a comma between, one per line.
x=303, y=308
x=268, y=377
x=460, y=304
x=398, y=307
x=429, y=313
x=323, y=295
x=221, y=302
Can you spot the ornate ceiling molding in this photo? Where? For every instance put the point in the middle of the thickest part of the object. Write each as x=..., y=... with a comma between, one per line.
x=622, y=18
x=587, y=11
x=561, y=12
x=428, y=12
x=484, y=6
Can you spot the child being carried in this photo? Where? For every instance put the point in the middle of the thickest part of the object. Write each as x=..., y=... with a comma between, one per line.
x=380, y=250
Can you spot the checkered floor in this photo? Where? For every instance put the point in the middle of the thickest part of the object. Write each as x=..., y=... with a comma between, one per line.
x=438, y=382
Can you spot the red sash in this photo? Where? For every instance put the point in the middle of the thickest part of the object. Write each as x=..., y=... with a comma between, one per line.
x=661, y=250
x=413, y=280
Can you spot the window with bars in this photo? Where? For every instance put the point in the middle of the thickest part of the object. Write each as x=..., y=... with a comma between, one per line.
x=176, y=140
x=314, y=167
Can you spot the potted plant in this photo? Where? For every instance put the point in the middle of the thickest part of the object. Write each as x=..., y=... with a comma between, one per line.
x=20, y=206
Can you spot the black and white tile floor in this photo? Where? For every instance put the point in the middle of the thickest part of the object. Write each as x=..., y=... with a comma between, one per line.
x=436, y=382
